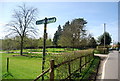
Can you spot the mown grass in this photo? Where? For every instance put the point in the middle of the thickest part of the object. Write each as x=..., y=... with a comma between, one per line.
x=29, y=67
x=21, y=67
x=50, y=50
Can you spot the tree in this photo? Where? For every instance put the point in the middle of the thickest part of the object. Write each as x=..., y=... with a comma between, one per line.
x=10, y=43
x=118, y=43
x=7, y=44
x=49, y=42
x=23, y=23
x=92, y=43
x=57, y=36
x=108, y=39
x=73, y=32
x=66, y=25
x=83, y=42
x=30, y=42
x=118, y=46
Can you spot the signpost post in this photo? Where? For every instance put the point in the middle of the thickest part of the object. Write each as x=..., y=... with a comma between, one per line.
x=45, y=22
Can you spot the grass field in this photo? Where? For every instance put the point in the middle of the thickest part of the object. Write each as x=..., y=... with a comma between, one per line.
x=26, y=67
x=21, y=67
x=48, y=50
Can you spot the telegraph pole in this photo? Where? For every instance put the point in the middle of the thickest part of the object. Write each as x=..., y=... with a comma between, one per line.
x=104, y=35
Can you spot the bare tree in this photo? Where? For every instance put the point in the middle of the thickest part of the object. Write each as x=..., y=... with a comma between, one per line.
x=23, y=23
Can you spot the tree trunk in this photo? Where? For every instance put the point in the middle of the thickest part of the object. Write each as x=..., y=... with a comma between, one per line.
x=21, y=46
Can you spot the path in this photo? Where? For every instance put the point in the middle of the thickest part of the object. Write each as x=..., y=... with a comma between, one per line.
x=110, y=68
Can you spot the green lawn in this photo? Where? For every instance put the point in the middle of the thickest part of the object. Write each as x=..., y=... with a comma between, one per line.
x=21, y=67
x=27, y=67
x=50, y=50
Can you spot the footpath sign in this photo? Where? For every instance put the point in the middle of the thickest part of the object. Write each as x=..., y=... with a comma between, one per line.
x=45, y=22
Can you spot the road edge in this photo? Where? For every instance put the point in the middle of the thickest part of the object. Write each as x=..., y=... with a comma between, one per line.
x=103, y=70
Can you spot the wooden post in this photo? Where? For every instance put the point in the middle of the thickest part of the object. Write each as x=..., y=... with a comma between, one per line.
x=44, y=47
x=52, y=70
x=7, y=64
x=69, y=71
x=85, y=61
x=89, y=58
x=93, y=54
x=80, y=64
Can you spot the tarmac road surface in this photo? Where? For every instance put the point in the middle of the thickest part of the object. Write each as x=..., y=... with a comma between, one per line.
x=112, y=64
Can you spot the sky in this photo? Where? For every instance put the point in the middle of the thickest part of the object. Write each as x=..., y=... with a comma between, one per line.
x=95, y=13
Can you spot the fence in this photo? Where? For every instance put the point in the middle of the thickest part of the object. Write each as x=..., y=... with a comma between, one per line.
x=83, y=61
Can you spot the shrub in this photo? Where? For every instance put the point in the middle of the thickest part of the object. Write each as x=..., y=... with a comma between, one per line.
x=101, y=51
x=62, y=71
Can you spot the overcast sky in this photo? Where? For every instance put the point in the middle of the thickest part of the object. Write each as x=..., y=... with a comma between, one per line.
x=95, y=13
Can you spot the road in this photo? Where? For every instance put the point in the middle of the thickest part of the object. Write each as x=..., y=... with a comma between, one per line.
x=110, y=68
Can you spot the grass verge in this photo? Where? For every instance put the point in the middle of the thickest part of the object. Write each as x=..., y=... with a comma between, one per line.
x=91, y=73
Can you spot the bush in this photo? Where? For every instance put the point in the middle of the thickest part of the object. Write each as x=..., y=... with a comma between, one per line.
x=96, y=51
x=101, y=51
x=62, y=71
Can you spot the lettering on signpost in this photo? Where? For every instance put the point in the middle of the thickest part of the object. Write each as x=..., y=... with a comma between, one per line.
x=49, y=20
x=40, y=22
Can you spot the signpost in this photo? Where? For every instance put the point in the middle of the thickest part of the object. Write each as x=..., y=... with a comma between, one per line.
x=45, y=22
x=40, y=22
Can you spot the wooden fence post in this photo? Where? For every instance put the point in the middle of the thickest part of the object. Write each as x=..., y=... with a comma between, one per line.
x=85, y=61
x=93, y=54
x=7, y=64
x=80, y=64
x=69, y=70
x=89, y=58
x=52, y=70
